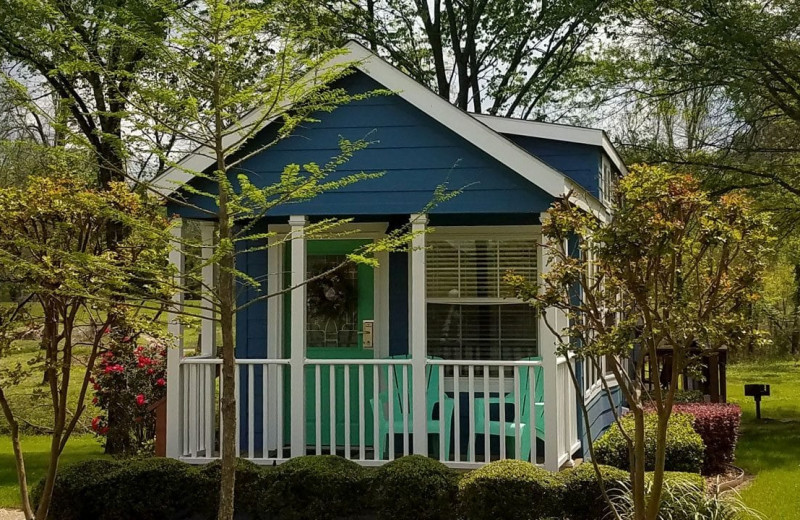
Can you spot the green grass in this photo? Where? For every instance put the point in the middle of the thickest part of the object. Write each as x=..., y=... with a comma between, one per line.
x=36, y=449
x=770, y=449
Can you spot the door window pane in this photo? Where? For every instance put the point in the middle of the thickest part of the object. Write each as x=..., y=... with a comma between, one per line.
x=332, y=302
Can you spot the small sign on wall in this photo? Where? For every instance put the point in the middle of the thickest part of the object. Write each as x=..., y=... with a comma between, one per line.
x=368, y=328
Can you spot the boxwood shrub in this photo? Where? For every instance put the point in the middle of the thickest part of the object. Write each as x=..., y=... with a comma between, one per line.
x=76, y=488
x=509, y=489
x=146, y=489
x=582, y=496
x=252, y=484
x=414, y=487
x=685, y=447
x=319, y=486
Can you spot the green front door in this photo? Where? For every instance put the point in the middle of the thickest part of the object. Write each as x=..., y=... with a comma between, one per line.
x=338, y=304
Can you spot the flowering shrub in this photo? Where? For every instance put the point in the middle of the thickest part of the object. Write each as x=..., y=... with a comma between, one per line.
x=130, y=376
x=718, y=425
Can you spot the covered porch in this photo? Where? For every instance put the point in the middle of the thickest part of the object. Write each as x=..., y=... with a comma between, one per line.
x=333, y=365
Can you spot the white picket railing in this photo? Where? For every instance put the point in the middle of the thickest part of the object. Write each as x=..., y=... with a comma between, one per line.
x=361, y=409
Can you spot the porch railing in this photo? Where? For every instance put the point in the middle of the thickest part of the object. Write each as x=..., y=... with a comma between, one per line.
x=362, y=409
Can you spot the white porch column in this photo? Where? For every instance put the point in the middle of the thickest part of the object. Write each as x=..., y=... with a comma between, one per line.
x=418, y=336
x=298, y=332
x=174, y=355
x=274, y=337
x=547, y=349
x=208, y=327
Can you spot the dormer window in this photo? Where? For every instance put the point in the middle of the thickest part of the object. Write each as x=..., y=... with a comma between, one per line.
x=607, y=182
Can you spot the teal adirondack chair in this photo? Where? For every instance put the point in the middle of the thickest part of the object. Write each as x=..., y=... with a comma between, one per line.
x=522, y=451
x=445, y=412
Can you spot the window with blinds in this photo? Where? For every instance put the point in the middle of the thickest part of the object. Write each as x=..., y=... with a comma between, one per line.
x=472, y=313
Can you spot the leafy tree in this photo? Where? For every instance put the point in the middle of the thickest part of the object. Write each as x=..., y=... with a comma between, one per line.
x=53, y=248
x=673, y=269
x=711, y=87
x=73, y=69
x=237, y=69
x=506, y=58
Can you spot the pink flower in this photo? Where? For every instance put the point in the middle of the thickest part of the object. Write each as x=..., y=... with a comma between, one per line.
x=140, y=400
x=161, y=382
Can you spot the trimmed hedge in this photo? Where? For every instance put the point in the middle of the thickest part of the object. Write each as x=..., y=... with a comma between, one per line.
x=330, y=487
x=415, y=487
x=718, y=425
x=252, y=484
x=509, y=489
x=319, y=486
x=685, y=447
x=680, y=477
x=582, y=496
x=135, y=489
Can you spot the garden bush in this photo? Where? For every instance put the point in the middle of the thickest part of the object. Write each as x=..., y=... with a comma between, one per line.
x=685, y=447
x=76, y=489
x=509, y=489
x=129, y=377
x=718, y=425
x=673, y=478
x=582, y=496
x=252, y=486
x=137, y=489
x=415, y=487
x=319, y=486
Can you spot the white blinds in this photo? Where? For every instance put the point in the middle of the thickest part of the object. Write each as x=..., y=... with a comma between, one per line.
x=474, y=268
x=471, y=311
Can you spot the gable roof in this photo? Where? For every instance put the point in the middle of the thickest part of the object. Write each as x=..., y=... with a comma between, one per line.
x=477, y=130
x=555, y=131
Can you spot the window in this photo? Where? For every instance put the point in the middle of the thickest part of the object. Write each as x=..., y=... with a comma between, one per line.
x=472, y=313
x=607, y=182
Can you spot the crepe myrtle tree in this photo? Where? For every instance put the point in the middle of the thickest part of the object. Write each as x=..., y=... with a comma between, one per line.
x=53, y=249
x=236, y=69
x=673, y=269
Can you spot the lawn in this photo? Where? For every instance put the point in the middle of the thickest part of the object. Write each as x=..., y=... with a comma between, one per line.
x=36, y=448
x=770, y=449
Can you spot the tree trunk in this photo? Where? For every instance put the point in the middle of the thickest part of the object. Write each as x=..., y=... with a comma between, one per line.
x=638, y=465
x=226, y=311
x=19, y=461
x=795, y=347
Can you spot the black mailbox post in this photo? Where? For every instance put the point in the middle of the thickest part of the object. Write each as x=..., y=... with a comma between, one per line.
x=757, y=392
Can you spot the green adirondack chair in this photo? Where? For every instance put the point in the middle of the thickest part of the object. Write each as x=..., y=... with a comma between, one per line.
x=507, y=428
x=445, y=409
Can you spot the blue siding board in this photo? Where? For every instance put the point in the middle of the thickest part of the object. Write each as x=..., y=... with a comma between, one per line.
x=580, y=162
x=414, y=152
x=601, y=416
x=251, y=329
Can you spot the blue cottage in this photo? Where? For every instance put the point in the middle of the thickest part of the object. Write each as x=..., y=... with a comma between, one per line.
x=428, y=352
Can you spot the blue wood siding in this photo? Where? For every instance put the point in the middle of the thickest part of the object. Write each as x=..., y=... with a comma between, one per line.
x=251, y=334
x=601, y=416
x=413, y=151
x=580, y=162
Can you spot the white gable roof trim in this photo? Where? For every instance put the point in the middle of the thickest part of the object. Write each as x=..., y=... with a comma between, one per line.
x=478, y=131
x=557, y=132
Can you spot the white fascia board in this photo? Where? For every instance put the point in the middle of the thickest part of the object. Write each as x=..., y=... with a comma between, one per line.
x=460, y=122
x=556, y=132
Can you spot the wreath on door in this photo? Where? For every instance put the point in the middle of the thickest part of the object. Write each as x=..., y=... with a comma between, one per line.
x=331, y=295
